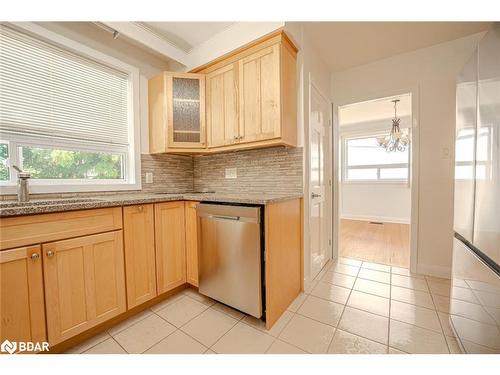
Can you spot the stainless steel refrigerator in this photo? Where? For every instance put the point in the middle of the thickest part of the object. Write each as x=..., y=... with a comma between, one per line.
x=474, y=304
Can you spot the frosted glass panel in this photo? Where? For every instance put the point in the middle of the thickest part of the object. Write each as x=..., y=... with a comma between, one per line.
x=186, y=88
x=187, y=137
x=186, y=115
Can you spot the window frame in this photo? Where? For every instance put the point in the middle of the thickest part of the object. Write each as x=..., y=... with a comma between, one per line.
x=344, y=168
x=132, y=153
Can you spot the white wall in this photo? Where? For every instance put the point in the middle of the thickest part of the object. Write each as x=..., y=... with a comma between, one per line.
x=386, y=202
x=432, y=73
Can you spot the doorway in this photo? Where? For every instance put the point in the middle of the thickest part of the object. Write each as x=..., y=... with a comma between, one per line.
x=375, y=180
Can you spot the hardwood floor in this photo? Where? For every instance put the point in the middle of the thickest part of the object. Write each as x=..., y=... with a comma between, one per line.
x=386, y=243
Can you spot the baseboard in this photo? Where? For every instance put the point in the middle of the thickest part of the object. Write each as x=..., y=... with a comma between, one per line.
x=383, y=219
x=432, y=270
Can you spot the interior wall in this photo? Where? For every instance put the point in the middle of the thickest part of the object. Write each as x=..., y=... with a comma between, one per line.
x=385, y=202
x=432, y=72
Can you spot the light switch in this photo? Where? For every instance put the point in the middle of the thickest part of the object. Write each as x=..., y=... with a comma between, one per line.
x=231, y=173
x=149, y=177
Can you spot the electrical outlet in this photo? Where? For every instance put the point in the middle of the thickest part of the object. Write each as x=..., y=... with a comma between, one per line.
x=231, y=173
x=149, y=177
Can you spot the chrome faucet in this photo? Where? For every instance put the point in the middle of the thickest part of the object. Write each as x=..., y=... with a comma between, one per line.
x=23, y=194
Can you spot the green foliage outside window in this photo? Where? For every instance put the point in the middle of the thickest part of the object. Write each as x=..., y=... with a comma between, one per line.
x=63, y=164
x=4, y=154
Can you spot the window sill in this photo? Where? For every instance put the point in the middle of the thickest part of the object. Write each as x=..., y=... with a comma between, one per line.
x=72, y=188
x=376, y=182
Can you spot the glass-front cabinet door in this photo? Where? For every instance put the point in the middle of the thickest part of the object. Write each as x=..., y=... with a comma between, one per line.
x=186, y=110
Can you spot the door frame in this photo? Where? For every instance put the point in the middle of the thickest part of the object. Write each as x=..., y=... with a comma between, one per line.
x=414, y=162
x=308, y=277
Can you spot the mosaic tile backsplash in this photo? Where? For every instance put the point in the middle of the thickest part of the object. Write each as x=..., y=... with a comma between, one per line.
x=271, y=170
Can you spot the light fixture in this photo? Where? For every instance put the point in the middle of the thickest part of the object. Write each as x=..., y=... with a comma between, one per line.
x=396, y=140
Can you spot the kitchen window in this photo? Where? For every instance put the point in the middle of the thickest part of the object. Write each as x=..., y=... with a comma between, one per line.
x=68, y=114
x=365, y=161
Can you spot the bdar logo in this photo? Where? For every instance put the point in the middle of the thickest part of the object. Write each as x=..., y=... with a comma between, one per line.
x=8, y=347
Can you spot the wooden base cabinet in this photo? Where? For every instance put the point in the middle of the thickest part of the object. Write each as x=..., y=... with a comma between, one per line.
x=283, y=258
x=191, y=243
x=22, y=308
x=139, y=243
x=84, y=283
x=170, y=241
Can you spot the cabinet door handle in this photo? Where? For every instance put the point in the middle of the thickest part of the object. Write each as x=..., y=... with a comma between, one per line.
x=35, y=256
x=50, y=253
x=140, y=208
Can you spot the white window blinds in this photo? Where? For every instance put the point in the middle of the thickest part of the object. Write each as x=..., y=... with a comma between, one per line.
x=49, y=92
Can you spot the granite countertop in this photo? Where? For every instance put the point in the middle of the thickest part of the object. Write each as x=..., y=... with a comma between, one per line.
x=38, y=206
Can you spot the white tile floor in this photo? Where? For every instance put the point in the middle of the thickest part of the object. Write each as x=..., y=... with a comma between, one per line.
x=352, y=307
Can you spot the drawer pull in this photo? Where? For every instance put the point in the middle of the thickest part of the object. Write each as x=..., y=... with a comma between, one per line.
x=35, y=256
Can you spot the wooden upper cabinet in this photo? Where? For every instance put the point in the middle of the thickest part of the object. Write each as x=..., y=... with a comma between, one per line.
x=177, y=113
x=259, y=80
x=170, y=238
x=191, y=243
x=22, y=308
x=222, y=106
x=265, y=74
x=84, y=283
x=250, y=98
x=138, y=234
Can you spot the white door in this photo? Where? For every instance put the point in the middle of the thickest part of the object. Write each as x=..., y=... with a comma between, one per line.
x=320, y=194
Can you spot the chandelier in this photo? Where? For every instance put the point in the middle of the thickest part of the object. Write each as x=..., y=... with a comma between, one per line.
x=395, y=140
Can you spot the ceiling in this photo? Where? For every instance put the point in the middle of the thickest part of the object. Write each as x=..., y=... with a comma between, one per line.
x=344, y=45
x=375, y=110
x=185, y=35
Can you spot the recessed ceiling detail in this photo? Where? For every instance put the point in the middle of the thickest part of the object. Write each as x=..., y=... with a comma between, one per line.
x=185, y=35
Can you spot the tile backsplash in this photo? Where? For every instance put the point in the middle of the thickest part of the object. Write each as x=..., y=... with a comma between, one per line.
x=171, y=173
x=271, y=170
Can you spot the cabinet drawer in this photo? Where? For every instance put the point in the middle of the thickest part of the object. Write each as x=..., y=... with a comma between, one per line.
x=32, y=229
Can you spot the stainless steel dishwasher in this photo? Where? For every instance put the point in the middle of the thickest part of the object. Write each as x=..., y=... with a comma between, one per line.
x=229, y=239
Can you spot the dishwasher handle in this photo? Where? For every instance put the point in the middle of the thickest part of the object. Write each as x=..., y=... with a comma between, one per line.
x=224, y=217
x=228, y=213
